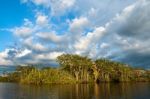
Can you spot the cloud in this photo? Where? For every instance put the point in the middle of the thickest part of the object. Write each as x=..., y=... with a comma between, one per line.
x=23, y=53
x=118, y=30
x=42, y=2
x=77, y=27
x=52, y=37
x=78, y=24
x=48, y=56
x=91, y=38
x=3, y=58
x=61, y=6
x=129, y=33
x=42, y=20
x=138, y=21
x=104, y=45
x=56, y=7
x=34, y=45
x=22, y=31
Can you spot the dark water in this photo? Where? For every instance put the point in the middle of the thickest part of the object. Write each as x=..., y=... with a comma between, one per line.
x=80, y=91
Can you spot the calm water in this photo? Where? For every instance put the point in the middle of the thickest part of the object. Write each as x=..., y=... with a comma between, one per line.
x=81, y=91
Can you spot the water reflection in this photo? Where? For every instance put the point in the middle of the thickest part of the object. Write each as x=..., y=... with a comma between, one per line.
x=77, y=91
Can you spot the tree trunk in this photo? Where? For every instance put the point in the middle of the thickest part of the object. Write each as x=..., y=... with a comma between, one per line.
x=77, y=75
x=96, y=75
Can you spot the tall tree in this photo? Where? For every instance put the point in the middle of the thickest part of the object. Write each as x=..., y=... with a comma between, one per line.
x=76, y=65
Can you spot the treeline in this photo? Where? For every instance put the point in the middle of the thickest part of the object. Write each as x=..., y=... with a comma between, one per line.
x=33, y=75
x=78, y=69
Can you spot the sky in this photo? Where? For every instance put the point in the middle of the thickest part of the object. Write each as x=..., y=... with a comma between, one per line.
x=37, y=31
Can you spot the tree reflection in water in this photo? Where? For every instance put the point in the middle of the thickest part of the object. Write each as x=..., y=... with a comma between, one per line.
x=76, y=91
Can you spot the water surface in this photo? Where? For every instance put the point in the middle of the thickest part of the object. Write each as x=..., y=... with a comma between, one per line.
x=77, y=91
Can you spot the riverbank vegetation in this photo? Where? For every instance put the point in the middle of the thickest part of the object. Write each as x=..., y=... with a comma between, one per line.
x=78, y=69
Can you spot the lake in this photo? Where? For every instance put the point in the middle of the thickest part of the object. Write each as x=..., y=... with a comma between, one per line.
x=76, y=91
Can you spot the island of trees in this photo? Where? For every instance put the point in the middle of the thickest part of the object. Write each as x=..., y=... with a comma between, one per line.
x=77, y=69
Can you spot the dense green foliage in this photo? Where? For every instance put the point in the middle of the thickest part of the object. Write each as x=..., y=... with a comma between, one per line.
x=32, y=75
x=77, y=69
x=47, y=76
x=76, y=65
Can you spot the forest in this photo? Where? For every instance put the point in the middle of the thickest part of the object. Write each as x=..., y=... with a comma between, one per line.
x=77, y=69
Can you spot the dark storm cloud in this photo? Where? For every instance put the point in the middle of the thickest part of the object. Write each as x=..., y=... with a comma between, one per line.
x=130, y=35
x=137, y=23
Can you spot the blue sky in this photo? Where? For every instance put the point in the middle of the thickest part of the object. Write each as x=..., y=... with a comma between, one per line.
x=37, y=31
x=12, y=13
